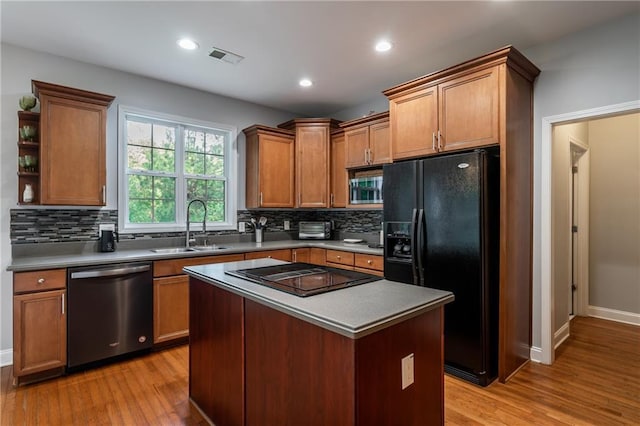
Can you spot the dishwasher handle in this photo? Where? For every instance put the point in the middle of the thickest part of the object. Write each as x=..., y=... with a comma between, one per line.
x=97, y=273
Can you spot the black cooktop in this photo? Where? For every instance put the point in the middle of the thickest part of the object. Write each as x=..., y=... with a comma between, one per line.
x=303, y=279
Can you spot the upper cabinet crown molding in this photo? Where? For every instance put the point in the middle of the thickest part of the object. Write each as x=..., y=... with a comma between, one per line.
x=40, y=87
x=507, y=55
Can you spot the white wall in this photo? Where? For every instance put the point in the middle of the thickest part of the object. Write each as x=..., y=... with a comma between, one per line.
x=589, y=69
x=614, y=213
x=20, y=66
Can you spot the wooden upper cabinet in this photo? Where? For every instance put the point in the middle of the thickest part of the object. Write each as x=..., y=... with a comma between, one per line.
x=73, y=143
x=469, y=110
x=312, y=154
x=367, y=141
x=270, y=167
x=413, y=119
x=339, y=176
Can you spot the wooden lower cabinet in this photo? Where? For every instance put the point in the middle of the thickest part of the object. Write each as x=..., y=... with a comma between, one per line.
x=39, y=323
x=254, y=365
x=317, y=256
x=302, y=255
x=170, y=308
x=367, y=263
x=171, y=296
x=284, y=254
x=39, y=332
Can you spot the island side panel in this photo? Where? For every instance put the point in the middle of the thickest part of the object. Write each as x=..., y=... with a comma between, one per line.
x=381, y=399
x=296, y=373
x=216, y=381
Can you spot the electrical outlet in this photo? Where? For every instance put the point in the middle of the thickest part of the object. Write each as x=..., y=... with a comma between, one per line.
x=106, y=227
x=287, y=225
x=407, y=371
x=241, y=227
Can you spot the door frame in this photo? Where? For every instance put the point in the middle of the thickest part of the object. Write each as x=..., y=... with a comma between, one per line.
x=582, y=221
x=547, y=326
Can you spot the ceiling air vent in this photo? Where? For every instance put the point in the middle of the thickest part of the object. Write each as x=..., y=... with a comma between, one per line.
x=225, y=55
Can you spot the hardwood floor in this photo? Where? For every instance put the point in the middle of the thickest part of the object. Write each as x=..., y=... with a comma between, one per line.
x=595, y=380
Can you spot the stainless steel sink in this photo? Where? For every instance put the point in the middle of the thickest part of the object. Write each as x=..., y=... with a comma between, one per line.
x=173, y=250
x=187, y=249
x=208, y=248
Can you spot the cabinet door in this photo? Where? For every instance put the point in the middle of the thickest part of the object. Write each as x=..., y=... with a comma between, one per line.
x=39, y=332
x=276, y=168
x=414, y=121
x=73, y=143
x=469, y=110
x=284, y=254
x=357, y=144
x=379, y=143
x=318, y=256
x=170, y=308
x=312, y=166
x=301, y=255
x=339, y=176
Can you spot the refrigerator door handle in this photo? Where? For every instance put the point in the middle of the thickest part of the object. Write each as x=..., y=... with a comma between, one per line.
x=419, y=246
x=414, y=247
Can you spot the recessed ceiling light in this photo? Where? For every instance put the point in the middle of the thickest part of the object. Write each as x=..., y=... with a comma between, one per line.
x=188, y=44
x=383, y=46
x=305, y=82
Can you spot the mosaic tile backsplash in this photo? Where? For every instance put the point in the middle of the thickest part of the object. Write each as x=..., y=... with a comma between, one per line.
x=30, y=226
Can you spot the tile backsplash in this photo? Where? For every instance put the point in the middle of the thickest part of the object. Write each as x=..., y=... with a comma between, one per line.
x=30, y=226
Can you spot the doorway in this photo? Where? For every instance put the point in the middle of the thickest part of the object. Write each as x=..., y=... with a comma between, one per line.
x=544, y=274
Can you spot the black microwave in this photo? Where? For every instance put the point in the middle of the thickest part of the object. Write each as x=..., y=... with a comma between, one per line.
x=365, y=189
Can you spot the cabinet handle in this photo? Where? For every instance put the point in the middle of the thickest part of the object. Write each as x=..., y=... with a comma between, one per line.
x=268, y=257
x=439, y=141
x=62, y=303
x=299, y=199
x=41, y=280
x=433, y=140
x=260, y=199
x=104, y=194
x=338, y=257
x=295, y=257
x=365, y=156
x=332, y=199
x=369, y=262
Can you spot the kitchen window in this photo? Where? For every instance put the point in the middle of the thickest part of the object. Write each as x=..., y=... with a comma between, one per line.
x=165, y=162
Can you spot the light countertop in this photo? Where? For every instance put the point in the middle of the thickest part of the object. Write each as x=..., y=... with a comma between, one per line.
x=68, y=260
x=353, y=312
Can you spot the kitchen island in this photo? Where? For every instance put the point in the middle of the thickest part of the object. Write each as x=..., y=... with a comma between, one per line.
x=362, y=355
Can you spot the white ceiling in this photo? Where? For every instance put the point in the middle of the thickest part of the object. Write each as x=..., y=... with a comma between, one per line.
x=329, y=42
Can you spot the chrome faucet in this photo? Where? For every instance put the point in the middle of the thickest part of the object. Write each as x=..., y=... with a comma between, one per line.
x=204, y=219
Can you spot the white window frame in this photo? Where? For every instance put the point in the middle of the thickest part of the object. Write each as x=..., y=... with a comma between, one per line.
x=231, y=174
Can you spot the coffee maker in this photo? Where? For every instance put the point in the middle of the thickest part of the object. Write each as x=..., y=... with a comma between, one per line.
x=108, y=240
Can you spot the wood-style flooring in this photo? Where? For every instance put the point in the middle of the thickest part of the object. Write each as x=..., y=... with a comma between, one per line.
x=594, y=381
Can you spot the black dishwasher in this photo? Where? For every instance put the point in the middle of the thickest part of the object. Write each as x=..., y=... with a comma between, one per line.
x=109, y=311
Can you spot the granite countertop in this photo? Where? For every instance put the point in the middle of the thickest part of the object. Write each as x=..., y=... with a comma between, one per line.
x=353, y=312
x=46, y=259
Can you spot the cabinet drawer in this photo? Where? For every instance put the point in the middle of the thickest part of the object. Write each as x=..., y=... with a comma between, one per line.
x=39, y=280
x=163, y=268
x=284, y=254
x=342, y=257
x=369, y=261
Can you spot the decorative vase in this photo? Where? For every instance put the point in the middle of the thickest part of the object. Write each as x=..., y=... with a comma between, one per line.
x=27, y=102
x=27, y=195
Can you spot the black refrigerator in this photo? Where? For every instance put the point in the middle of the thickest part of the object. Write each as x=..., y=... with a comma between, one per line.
x=441, y=220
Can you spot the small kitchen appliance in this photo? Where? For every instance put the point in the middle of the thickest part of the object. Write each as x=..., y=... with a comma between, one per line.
x=108, y=240
x=314, y=230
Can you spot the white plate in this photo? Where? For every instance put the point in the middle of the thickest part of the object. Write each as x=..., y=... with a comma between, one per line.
x=352, y=240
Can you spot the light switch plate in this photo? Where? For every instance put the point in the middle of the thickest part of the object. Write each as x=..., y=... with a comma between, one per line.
x=241, y=227
x=407, y=371
x=287, y=225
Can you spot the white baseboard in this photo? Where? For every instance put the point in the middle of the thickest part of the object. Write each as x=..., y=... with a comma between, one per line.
x=614, y=315
x=561, y=335
x=535, y=354
x=6, y=357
